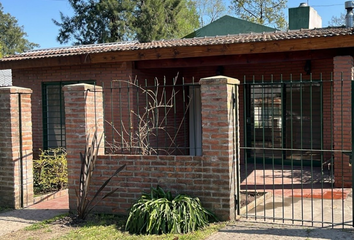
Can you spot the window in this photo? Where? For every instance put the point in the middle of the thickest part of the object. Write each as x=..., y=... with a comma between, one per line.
x=54, y=114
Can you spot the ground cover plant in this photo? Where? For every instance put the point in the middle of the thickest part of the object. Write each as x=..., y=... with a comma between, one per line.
x=159, y=213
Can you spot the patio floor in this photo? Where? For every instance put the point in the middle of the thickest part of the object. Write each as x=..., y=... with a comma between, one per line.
x=298, y=196
x=289, y=181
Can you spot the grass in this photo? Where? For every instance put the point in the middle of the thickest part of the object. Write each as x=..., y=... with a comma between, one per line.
x=44, y=224
x=112, y=227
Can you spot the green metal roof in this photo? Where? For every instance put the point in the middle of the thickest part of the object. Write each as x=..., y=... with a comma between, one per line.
x=229, y=25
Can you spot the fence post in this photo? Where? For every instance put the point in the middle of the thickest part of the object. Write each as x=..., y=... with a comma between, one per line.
x=16, y=176
x=219, y=128
x=83, y=116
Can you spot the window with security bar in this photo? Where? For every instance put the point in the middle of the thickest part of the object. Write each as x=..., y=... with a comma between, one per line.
x=54, y=113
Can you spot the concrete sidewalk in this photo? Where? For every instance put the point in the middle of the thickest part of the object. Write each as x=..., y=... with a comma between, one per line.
x=17, y=219
x=334, y=211
x=249, y=230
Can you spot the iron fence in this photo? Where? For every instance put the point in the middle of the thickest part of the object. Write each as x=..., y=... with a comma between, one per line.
x=153, y=117
x=296, y=150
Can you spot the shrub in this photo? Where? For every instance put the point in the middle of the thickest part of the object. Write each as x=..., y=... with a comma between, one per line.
x=158, y=213
x=50, y=171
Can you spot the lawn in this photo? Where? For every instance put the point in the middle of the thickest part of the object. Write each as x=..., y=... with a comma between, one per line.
x=98, y=227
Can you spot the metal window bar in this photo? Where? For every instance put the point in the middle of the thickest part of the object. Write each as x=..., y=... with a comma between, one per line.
x=54, y=134
x=154, y=118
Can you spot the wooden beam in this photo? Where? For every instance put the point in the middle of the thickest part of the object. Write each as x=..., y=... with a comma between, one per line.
x=292, y=45
x=238, y=59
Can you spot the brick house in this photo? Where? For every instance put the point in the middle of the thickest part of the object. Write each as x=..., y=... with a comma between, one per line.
x=327, y=52
x=321, y=58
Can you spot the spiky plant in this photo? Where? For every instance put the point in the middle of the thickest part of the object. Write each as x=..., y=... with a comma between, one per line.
x=85, y=204
x=158, y=213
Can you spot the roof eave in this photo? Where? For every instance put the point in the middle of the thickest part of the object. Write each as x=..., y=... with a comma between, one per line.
x=177, y=52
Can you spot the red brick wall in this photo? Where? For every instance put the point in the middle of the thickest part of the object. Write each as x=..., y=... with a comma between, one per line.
x=83, y=118
x=342, y=129
x=15, y=133
x=210, y=177
x=103, y=74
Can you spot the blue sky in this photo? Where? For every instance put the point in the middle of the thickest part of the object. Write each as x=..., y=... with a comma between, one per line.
x=36, y=16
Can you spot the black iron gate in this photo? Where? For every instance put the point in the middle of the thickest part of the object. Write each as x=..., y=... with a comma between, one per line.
x=296, y=151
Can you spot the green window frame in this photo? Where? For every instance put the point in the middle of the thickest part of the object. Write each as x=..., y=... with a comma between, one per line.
x=53, y=112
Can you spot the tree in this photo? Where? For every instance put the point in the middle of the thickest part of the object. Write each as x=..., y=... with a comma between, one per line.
x=210, y=10
x=96, y=22
x=117, y=17
x=12, y=36
x=165, y=19
x=265, y=12
x=337, y=20
x=100, y=21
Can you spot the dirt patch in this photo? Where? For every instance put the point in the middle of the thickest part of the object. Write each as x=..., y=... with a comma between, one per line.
x=58, y=228
x=48, y=231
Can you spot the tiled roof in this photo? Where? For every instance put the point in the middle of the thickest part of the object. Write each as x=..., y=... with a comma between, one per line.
x=202, y=41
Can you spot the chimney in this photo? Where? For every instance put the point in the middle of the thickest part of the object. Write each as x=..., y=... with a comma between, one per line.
x=349, y=5
x=304, y=17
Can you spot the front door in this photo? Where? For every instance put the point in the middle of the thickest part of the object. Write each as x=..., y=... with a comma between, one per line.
x=284, y=122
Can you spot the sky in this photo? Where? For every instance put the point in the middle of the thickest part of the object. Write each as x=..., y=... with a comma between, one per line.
x=36, y=16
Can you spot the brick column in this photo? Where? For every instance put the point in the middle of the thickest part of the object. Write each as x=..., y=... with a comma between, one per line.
x=16, y=191
x=83, y=115
x=342, y=129
x=219, y=143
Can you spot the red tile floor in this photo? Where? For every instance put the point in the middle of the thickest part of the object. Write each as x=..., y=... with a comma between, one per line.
x=286, y=181
x=58, y=201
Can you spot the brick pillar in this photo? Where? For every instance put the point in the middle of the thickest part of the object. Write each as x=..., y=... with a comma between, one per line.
x=219, y=143
x=83, y=115
x=16, y=147
x=342, y=130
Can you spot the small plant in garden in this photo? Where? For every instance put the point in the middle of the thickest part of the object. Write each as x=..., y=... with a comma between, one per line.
x=84, y=204
x=159, y=212
x=50, y=171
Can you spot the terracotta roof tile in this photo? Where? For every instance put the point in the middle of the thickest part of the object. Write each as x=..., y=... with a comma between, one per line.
x=201, y=41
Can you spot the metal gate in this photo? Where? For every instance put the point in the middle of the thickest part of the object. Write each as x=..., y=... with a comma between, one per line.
x=296, y=143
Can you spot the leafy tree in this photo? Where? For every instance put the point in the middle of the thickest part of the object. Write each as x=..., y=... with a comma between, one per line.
x=100, y=21
x=210, y=10
x=189, y=19
x=265, y=12
x=117, y=17
x=12, y=36
x=96, y=22
x=165, y=19
x=337, y=20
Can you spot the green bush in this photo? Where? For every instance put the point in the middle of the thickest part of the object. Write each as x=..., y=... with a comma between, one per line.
x=50, y=171
x=158, y=213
